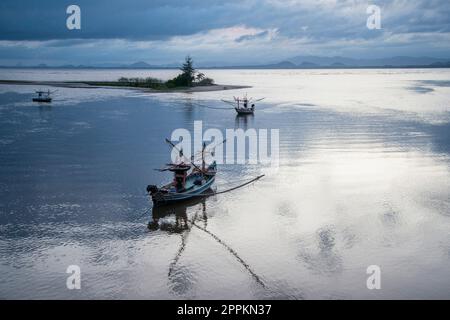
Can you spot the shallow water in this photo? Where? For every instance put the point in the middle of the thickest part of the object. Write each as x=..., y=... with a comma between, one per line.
x=364, y=179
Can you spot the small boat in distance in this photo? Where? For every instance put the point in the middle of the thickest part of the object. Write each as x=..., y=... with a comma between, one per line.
x=243, y=105
x=184, y=185
x=43, y=96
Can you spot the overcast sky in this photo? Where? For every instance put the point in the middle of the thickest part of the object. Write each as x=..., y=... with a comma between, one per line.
x=218, y=32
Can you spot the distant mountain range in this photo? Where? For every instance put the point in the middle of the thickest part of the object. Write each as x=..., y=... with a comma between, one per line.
x=315, y=62
x=136, y=65
x=342, y=61
x=298, y=62
x=399, y=61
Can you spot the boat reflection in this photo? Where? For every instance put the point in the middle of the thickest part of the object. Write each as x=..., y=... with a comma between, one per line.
x=183, y=225
x=181, y=217
x=181, y=279
x=45, y=111
x=242, y=121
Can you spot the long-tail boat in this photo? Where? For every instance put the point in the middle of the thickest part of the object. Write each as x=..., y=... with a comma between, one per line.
x=43, y=96
x=185, y=184
x=243, y=105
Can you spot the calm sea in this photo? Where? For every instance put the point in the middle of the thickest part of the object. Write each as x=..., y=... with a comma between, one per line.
x=364, y=179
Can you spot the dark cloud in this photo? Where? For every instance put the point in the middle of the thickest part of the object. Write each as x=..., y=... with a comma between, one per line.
x=160, y=19
x=259, y=35
x=322, y=27
x=101, y=19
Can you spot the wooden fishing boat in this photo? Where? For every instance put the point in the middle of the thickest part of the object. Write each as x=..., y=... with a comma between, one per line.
x=184, y=185
x=189, y=185
x=243, y=105
x=43, y=96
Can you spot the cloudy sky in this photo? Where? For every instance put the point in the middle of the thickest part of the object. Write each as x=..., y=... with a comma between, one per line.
x=230, y=32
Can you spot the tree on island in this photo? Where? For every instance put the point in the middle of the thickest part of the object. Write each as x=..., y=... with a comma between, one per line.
x=188, y=71
x=189, y=76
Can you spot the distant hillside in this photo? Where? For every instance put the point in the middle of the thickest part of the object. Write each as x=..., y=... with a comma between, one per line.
x=392, y=61
x=298, y=62
x=312, y=62
x=139, y=65
x=279, y=65
x=308, y=64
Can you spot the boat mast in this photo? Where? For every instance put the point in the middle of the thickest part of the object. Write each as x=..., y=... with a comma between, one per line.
x=203, y=157
x=180, y=172
x=175, y=147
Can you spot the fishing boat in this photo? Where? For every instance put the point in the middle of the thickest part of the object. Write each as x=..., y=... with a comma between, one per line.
x=189, y=180
x=243, y=105
x=43, y=96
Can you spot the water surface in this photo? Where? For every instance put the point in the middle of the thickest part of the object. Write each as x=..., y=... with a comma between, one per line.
x=364, y=179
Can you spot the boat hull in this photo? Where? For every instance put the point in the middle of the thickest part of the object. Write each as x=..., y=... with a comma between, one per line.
x=244, y=110
x=48, y=100
x=195, y=185
x=161, y=198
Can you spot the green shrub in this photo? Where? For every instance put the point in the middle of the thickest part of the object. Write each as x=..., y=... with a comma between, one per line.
x=187, y=78
x=205, y=82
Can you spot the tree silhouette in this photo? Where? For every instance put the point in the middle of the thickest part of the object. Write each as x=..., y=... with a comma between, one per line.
x=188, y=71
x=200, y=76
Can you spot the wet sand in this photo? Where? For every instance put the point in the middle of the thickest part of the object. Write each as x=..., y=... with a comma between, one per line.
x=87, y=85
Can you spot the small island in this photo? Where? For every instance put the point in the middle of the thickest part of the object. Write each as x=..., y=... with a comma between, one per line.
x=189, y=80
